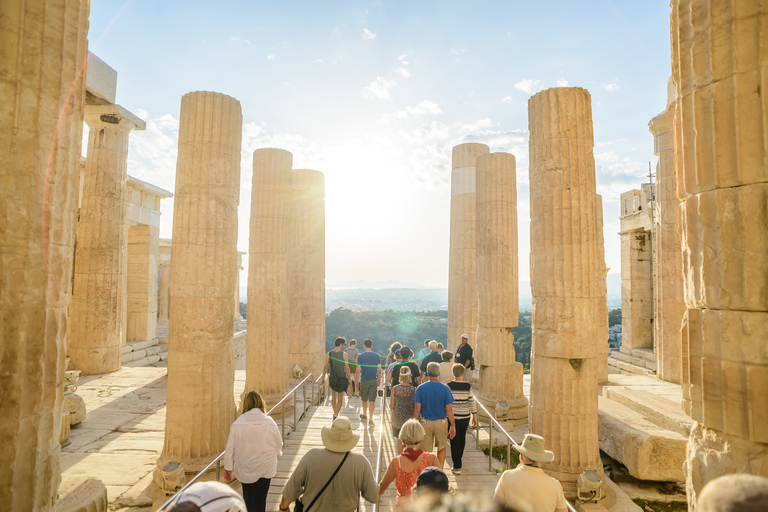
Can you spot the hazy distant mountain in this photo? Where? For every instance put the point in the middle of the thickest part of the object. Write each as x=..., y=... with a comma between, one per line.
x=375, y=284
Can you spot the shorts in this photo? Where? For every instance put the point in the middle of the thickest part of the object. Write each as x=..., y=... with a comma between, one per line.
x=368, y=390
x=437, y=429
x=352, y=368
x=396, y=431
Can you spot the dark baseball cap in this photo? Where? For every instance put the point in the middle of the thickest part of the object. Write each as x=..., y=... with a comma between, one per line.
x=432, y=479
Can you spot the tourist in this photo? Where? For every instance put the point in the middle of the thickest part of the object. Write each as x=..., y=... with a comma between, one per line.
x=432, y=401
x=406, y=353
x=338, y=378
x=432, y=480
x=464, y=408
x=464, y=353
x=354, y=369
x=440, y=348
x=433, y=497
x=398, y=359
x=401, y=404
x=734, y=493
x=405, y=468
x=347, y=474
x=392, y=351
x=254, y=445
x=528, y=481
x=425, y=351
x=208, y=497
x=369, y=363
x=432, y=357
x=446, y=367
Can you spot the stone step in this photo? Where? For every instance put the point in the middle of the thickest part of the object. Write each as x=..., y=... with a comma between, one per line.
x=642, y=364
x=648, y=451
x=144, y=361
x=645, y=353
x=656, y=409
x=132, y=346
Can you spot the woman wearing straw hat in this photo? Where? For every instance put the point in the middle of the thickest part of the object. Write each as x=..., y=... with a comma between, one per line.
x=529, y=482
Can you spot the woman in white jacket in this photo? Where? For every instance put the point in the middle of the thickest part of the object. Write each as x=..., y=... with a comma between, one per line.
x=252, y=449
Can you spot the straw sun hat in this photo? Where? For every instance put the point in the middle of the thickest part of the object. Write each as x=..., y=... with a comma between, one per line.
x=338, y=436
x=533, y=448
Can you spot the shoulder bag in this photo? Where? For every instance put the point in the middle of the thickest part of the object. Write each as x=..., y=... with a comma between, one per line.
x=299, y=505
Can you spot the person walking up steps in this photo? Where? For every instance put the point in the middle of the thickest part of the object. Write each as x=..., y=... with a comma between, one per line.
x=338, y=375
x=354, y=369
x=433, y=400
x=370, y=375
x=401, y=404
x=464, y=407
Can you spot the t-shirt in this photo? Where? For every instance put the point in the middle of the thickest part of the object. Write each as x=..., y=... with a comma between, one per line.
x=342, y=495
x=433, y=397
x=532, y=485
x=463, y=353
x=414, y=372
x=464, y=405
x=352, y=354
x=432, y=357
x=446, y=371
x=369, y=365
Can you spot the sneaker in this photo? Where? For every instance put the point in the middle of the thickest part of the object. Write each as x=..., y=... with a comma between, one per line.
x=363, y=417
x=456, y=471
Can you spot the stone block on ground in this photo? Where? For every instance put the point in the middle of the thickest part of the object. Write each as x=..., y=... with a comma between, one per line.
x=656, y=409
x=648, y=451
x=75, y=405
x=88, y=496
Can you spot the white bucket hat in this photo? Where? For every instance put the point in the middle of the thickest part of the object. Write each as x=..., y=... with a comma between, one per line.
x=338, y=436
x=533, y=448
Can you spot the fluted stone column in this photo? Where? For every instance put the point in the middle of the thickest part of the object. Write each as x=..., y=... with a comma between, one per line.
x=43, y=47
x=565, y=280
x=165, y=270
x=306, y=271
x=268, y=320
x=668, y=275
x=721, y=69
x=94, y=333
x=143, y=252
x=462, y=262
x=601, y=303
x=501, y=377
x=200, y=404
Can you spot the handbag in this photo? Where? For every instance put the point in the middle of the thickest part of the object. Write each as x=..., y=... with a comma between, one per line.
x=340, y=382
x=299, y=505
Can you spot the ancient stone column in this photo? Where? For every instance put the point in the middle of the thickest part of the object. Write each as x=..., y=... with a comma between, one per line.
x=601, y=303
x=501, y=377
x=200, y=403
x=636, y=289
x=306, y=271
x=565, y=280
x=462, y=263
x=94, y=341
x=143, y=252
x=165, y=269
x=268, y=337
x=43, y=47
x=668, y=274
x=720, y=64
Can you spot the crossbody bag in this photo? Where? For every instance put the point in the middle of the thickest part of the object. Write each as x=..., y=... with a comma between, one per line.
x=299, y=505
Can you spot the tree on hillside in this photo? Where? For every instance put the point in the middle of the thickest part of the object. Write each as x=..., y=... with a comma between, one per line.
x=614, y=317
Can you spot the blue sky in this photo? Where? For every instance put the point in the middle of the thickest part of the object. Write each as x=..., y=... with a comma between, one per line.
x=375, y=94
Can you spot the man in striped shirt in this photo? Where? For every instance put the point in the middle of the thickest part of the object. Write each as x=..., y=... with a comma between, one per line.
x=464, y=408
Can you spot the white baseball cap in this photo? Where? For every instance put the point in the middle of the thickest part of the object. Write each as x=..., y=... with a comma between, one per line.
x=213, y=497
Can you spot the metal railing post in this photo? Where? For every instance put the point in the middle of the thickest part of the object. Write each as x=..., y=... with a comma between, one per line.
x=218, y=470
x=282, y=422
x=490, y=447
x=509, y=454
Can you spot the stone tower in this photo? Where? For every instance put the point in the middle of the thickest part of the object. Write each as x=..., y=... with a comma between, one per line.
x=200, y=404
x=462, y=263
x=720, y=72
x=567, y=273
x=43, y=48
x=501, y=377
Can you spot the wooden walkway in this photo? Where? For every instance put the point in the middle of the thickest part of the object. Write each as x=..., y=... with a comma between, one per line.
x=475, y=476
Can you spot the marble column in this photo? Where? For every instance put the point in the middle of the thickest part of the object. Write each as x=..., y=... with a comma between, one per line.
x=720, y=66
x=94, y=341
x=200, y=402
x=268, y=333
x=165, y=270
x=143, y=249
x=462, y=262
x=306, y=271
x=501, y=377
x=565, y=281
x=43, y=47
x=668, y=276
x=636, y=290
x=601, y=303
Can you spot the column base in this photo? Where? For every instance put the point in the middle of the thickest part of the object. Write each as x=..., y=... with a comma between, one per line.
x=515, y=412
x=712, y=453
x=95, y=361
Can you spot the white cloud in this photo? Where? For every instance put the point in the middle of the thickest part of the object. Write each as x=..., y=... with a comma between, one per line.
x=458, y=51
x=425, y=107
x=320, y=61
x=379, y=88
x=271, y=57
x=403, y=57
x=562, y=82
x=529, y=85
x=508, y=99
x=367, y=34
x=404, y=72
x=235, y=39
x=613, y=86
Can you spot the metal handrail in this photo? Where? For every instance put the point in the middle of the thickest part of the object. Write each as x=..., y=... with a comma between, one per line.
x=379, y=452
x=217, y=460
x=510, y=442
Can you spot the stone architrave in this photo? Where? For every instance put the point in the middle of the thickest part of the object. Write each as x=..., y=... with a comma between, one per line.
x=200, y=403
x=268, y=332
x=720, y=69
x=43, y=46
x=668, y=274
x=462, y=263
x=501, y=377
x=306, y=272
x=565, y=280
x=601, y=304
x=94, y=341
